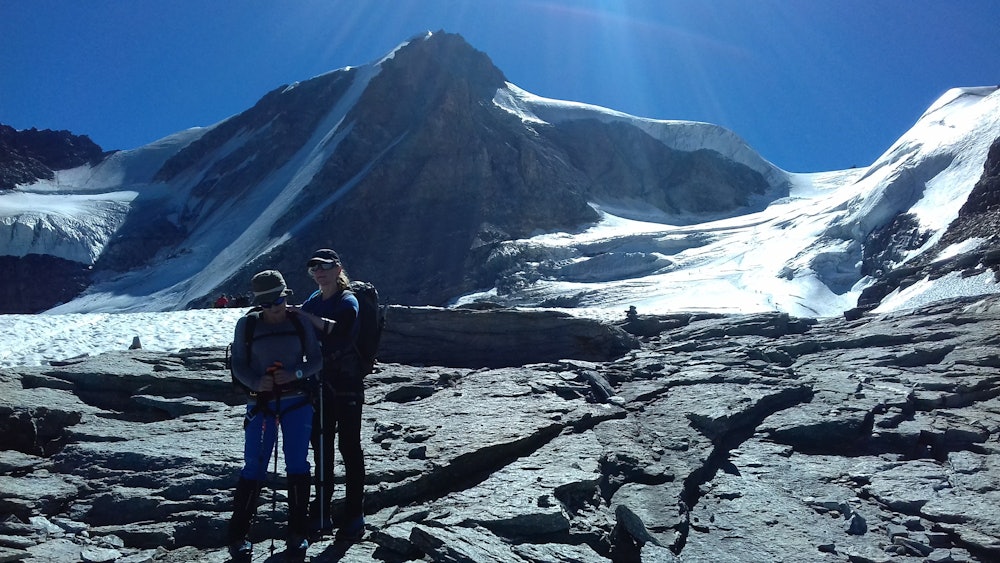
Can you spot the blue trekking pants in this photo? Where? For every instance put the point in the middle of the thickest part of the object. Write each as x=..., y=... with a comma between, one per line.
x=261, y=430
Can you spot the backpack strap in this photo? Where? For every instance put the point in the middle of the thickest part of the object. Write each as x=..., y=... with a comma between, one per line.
x=251, y=325
x=342, y=353
x=301, y=331
x=249, y=330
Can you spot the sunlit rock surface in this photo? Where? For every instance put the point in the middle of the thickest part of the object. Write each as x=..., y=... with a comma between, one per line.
x=721, y=438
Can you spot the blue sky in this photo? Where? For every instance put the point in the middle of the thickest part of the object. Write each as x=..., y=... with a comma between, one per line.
x=812, y=85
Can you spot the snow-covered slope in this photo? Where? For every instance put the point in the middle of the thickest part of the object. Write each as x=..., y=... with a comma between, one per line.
x=74, y=215
x=679, y=135
x=226, y=234
x=931, y=169
x=799, y=253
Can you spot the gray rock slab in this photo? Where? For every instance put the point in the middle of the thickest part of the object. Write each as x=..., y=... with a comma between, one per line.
x=723, y=438
x=497, y=338
x=531, y=496
x=463, y=436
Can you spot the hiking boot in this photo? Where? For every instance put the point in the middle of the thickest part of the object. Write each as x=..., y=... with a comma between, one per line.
x=241, y=552
x=353, y=531
x=244, y=511
x=297, y=543
x=295, y=549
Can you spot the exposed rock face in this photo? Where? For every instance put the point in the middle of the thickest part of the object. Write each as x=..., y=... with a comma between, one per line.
x=29, y=155
x=887, y=246
x=432, y=164
x=723, y=438
x=978, y=218
x=278, y=125
x=417, y=177
x=622, y=162
x=35, y=282
x=501, y=338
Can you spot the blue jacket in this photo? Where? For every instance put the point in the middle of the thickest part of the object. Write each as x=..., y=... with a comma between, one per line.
x=341, y=367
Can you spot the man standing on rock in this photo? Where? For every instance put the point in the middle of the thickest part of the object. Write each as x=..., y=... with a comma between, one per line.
x=333, y=312
x=274, y=356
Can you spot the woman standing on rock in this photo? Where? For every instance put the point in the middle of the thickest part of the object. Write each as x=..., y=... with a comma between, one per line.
x=333, y=312
x=273, y=355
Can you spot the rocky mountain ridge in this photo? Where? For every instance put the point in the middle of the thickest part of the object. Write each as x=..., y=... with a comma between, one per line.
x=25, y=157
x=428, y=147
x=435, y=178
x=688, y=437
x=979, y=218
x=416, y=137
x=30, y=155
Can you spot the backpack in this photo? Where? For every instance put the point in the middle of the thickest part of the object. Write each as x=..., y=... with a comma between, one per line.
x=372, y=316
x=249, y=329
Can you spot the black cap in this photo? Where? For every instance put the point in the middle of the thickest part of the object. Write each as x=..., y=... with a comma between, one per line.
x=324, y=255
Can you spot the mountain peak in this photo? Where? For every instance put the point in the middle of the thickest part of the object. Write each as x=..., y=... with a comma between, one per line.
x=440, y=182
x=440, y=58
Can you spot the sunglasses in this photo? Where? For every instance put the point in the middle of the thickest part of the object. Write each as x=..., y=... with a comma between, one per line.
x=322, y=266
x=278, y=301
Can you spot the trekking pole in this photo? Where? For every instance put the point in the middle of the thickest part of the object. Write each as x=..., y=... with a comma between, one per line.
x=261, y=459
x=274, y=488
x=321, y=485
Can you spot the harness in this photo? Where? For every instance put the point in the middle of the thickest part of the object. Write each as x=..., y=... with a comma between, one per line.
x=263, y=407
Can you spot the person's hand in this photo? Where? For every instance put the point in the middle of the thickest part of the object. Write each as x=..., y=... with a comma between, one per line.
x=280, y=375
x=283, y=377
x=317, y=322
x=266, y=384
x=269, y=380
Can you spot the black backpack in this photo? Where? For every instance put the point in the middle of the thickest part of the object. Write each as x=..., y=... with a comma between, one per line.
x=249, y=329
x=372, y=316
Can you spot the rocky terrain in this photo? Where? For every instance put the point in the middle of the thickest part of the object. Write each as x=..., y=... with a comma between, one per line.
x=979, y=218
x=30, y=155
x=689, y=437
